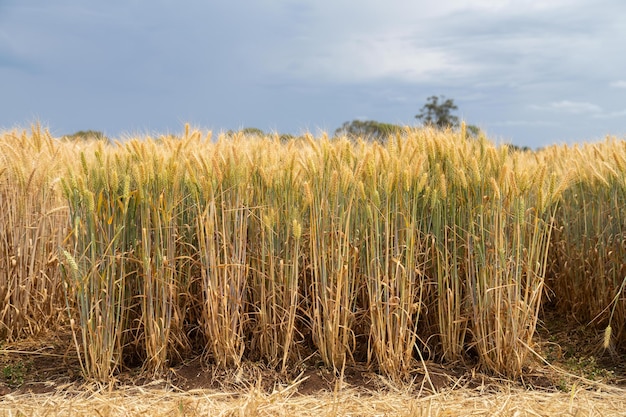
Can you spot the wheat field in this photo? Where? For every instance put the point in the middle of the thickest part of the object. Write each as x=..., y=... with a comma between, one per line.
x=431, y=246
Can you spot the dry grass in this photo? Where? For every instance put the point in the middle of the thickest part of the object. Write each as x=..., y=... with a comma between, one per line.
x=285, y=401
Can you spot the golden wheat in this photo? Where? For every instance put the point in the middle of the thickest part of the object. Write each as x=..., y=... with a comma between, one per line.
x=431, y=245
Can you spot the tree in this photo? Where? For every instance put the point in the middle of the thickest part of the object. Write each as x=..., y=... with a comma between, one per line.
x=516, y=148
x=438, y=114
x=86, y=135
x=368, y=129
x=247, y=131
x=473, y=131
x=253, y=131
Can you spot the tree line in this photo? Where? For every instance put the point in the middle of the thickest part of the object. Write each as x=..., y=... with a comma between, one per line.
x=436, y=113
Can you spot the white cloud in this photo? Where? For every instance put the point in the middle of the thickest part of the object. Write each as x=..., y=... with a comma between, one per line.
x=363, y=57
x=580, y=107
x=508, y=42
x=619, y=84
x=529, y=123
x=611, y=115
x=566, y=106
x=370, y=58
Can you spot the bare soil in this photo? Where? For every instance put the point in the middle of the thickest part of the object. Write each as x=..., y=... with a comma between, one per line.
x=49, y=363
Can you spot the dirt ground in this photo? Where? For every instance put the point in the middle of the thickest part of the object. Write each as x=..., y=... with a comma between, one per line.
x=580, y=379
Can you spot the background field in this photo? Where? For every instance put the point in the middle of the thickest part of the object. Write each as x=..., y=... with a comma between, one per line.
x=430, y=247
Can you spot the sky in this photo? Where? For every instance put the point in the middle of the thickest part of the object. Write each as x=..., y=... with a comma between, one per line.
x=528, y=72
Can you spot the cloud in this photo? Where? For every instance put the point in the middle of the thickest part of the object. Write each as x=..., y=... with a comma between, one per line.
x=297, y=63
x=572, y=107
x=507, y=42
x=579, y=107
x=368, y=58
x=610, y=115
x=527, y=123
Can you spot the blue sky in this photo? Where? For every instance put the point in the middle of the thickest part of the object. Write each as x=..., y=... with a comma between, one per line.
x=530, y=72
